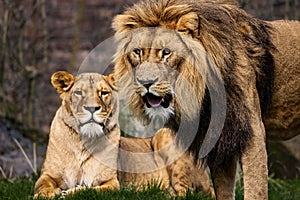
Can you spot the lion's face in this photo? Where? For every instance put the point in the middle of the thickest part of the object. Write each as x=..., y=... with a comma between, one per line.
x=153, y=65
x=89, y=101
x=159, y=75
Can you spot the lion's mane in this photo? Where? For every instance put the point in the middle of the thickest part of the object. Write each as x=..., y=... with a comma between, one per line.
x=239, y=46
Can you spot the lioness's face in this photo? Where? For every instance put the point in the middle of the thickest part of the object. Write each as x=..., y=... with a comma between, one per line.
x=90, y=100
x=155, y=60
x=91, y=103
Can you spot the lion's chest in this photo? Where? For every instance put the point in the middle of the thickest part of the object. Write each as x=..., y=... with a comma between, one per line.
x=88, y=168
x=83, y=171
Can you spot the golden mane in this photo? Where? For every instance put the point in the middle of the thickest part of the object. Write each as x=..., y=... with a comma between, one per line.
x=229, y=35
x=237, y=43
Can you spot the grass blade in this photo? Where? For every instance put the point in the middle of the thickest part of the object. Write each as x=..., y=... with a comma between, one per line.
x=3, y=173
x=25, y=155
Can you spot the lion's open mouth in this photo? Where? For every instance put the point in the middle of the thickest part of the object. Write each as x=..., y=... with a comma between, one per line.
x=153, y=101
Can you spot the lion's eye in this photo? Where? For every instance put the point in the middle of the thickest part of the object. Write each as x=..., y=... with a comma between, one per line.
x=104, y=93
x=166, y=52
x=137, y=51
x=78, y=92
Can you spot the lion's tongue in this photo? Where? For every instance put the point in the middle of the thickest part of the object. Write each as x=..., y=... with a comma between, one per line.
x=154, y=101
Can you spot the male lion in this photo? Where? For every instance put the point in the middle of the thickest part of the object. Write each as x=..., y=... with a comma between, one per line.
x=84, y=136
x=176, y=56
x=283, y=118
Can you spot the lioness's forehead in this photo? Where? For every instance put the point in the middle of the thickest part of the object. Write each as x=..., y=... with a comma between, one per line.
x=88, y=78
x=92, y=80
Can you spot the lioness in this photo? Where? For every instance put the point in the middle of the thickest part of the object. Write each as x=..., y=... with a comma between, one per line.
x=84, y=136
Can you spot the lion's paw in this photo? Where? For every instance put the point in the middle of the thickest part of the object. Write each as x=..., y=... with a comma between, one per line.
x=72, y=190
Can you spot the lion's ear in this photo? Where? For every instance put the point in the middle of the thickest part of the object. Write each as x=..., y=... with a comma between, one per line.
x=110, y=79
x=123, y=23
x=62, y=81
x=189, y=24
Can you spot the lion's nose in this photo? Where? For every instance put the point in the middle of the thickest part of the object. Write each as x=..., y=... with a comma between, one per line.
x=92, y=108
x=147, y=83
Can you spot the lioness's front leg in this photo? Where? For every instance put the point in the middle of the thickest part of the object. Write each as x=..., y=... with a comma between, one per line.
x=108, y=185
x=46, y=186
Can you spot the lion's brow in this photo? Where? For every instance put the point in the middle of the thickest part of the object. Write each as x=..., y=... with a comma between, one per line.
x=92, y=81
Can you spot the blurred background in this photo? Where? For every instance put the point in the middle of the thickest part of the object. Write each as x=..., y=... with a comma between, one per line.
x=39, y=37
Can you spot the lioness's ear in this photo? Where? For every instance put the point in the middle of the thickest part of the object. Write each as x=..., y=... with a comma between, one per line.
x=62, y=81
x=189, y=24
x=110, y=79
x=123, y=23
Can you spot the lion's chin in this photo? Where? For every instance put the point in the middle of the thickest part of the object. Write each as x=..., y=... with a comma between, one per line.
x=163, y=114
x=91, y=130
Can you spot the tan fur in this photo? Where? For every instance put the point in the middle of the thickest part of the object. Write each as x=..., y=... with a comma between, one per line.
x=177, y=177
x=283, y=119
x=221, y=41
x=77, y=155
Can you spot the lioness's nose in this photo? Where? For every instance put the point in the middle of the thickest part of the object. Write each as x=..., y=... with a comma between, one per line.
x=92, y=108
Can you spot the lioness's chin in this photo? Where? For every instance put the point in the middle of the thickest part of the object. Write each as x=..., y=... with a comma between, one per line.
x=91, y=130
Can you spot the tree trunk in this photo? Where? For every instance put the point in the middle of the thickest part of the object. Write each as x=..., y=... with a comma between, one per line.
x=79, y=14
x=3, y=106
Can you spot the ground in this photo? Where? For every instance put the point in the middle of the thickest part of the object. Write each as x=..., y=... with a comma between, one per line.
x=23, y=189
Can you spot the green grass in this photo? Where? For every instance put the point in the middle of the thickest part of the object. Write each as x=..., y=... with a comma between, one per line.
x=23, y=189
x=17, y=189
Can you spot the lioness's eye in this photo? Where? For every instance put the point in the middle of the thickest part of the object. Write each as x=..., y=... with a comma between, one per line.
x=104, y=93
x=137, y=51
x=78, y=92
x=166, y=52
